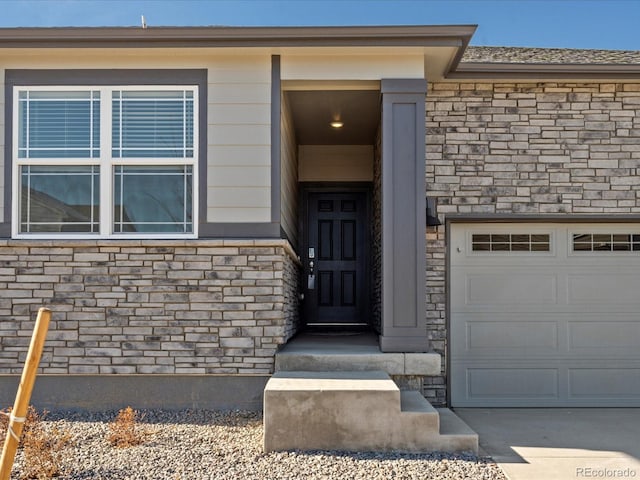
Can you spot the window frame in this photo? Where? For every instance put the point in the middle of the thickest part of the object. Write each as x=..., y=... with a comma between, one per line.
x=105, y=161
x=594, y=252
x=551, y=252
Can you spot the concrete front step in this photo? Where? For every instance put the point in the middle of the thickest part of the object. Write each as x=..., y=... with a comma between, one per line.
x=415, y=408
x=455, y=434
x=328, y=353
x=354, y=411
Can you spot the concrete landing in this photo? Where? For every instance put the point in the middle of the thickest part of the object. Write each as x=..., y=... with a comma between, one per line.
x=356, y=352
x=355, y=411
x=559, y=443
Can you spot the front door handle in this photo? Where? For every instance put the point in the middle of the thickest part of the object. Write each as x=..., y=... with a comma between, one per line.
x=311, y=278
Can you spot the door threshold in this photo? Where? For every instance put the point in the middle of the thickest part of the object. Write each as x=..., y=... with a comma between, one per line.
x=337, y=324
x=337, y=329
x=345, y=333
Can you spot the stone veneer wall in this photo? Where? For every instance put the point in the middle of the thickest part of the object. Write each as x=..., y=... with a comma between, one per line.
x=525, y=148
x=149, y=307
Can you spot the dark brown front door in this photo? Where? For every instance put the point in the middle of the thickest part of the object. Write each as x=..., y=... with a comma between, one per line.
x=336, y=259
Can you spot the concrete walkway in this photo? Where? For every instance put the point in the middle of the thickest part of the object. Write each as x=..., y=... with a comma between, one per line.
x=559, y=443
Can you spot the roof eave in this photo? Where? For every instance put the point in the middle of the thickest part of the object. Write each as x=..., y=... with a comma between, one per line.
x=100, y=37
x=489, y=71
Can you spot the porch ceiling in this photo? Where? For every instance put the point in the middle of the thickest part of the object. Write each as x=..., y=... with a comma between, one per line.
x=312, y=112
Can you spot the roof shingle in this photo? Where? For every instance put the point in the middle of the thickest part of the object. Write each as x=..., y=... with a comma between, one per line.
x=566, y=56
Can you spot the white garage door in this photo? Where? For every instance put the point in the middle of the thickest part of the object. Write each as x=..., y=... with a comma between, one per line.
x=545, y=315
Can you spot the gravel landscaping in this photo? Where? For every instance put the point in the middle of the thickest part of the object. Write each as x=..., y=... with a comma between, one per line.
x=208, y=445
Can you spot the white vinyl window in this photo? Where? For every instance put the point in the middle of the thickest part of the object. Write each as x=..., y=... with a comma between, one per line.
x=103, y=161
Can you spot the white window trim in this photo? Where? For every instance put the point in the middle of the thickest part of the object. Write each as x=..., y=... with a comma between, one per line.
x=106, y=163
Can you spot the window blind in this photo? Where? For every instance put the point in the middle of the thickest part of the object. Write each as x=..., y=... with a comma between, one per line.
x=59, y=124
x=157, y=124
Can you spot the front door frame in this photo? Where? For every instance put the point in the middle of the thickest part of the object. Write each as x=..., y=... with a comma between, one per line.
x=307, y=188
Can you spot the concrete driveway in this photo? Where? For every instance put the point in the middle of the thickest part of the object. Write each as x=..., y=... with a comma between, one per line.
x=558, y=443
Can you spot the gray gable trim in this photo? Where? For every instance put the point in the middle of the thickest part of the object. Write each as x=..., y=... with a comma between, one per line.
x=127, y=37
x=532, y=72
x=468, y=63
x=185, y=76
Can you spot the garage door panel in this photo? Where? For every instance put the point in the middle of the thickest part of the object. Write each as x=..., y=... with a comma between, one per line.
x=605, y=337
x=510, y=289
x=552, y=384
x=602, y=287
x=604, y=383
x=508, y=335
x=499, y=335
x=486, y=384
x=512, y=383
x=549, y=329
x=505, y=335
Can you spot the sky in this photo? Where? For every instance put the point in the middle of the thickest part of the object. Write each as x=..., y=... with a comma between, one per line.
x=600, y=24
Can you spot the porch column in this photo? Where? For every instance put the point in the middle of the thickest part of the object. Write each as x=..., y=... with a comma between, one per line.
x=403, y=216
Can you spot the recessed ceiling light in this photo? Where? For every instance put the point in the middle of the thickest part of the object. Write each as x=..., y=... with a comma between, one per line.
x=337, y=124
